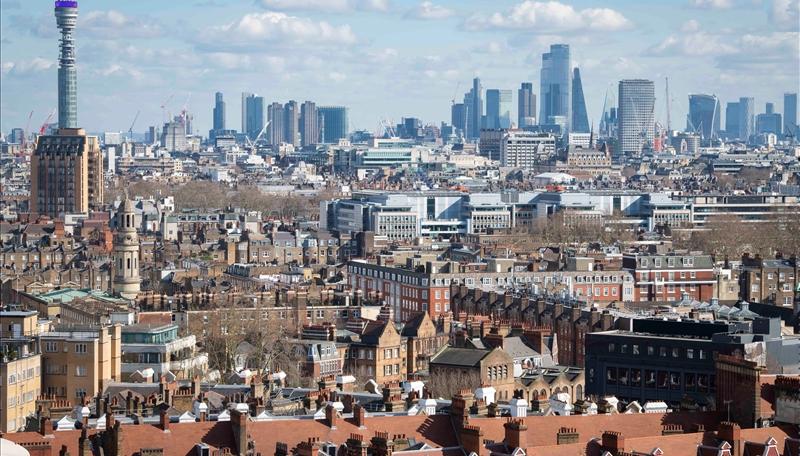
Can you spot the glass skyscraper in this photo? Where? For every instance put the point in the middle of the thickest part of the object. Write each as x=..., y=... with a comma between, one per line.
x=473, y=102
x=580, y=120
x=556, y=85
x=703, y=115
x=790, y=114
x=498, y=108
x=253, y=110
x=334, y=123
x=747, y=107
x=732, y=120
x=219, y=112
x=636, y=103
x=526, y=105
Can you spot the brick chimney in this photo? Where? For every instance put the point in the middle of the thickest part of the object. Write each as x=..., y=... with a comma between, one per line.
x=239, y=428
x=163, y=421
x=356, y=445
x=472, y=440
x=310, y=447
x=567, y=435
x=381, y=445
x=281, y=449
x=613, y=442
x=731, y=433
x=332, y=416
x=516, y=430
x=45, y=426
x=359, y=416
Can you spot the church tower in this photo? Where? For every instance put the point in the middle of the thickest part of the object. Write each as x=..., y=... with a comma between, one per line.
x=126, y=253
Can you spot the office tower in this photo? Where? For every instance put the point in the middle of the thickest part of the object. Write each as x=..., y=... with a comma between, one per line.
x=150, y=135
x=526, y=105
x=746, y=117
x=334, y=123
x=525, y=149
x=474, y=106
x=770, y=121
x=309, y=127
x=636, y=125
x=291, y=123
x=458, y=116
x=732, y=120
x=66, y=168
x=704, y=114
x=790, y=114
x=411, y=127
x=66, y=18
x=245, y=96
x=253, y=115
x=219, y=112
x=580, y=120
x=126, y=253
x=556, y=84
x=275, y=117
x=498, y=108
x=173, y=136
x=16, y=136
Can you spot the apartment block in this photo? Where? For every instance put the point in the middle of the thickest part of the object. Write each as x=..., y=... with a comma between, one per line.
x=20, y=368
x=666, y=277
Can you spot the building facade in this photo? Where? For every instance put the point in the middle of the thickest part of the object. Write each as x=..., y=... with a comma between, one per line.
x=636, y=115
x=526, y=105
x=556, y=85
x=668, y=277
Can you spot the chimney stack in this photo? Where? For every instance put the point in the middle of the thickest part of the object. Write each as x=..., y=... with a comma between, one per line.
x=613, y=442
x=163, y=420
x=516, y=433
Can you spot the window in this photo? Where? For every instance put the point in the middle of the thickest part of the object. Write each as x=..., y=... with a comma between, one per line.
x=80, y=348
x=701, y=354
x=80, y=371
x=51, y=347
x=662, y=351
x=675, y=352
x=635, y=349
x=690, y=353
x=650, y=350
x=80, y=392
x=611, y=348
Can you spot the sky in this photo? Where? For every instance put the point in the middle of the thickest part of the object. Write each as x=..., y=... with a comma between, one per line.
x=385, y=59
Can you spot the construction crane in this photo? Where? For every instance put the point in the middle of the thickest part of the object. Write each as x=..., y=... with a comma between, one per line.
x=130, y=129
x=455, y=92
x=164, y=106
x=26, y=130
x=185, y=109
x=253, y=143
x=43, y=128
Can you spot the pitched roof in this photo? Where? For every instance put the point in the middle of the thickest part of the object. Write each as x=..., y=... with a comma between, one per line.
x=453, y=356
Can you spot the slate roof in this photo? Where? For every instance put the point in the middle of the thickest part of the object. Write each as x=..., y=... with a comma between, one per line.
x=452, y=356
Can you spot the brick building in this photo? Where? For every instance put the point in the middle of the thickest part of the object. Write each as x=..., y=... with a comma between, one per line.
x=770, y=281
x=665, y=277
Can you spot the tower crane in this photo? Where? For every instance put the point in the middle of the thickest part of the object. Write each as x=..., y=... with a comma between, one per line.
x=26, y=130
x=43, y=128
x=130, y=129
x=163, y=107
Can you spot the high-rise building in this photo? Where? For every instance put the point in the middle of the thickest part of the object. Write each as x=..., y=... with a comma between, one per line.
x=17, y=135
x=458, y=117
x=275, y=117
x=66, y=173
x=309, y=126
x=498, y=108
x=219, y=112
x=291, y=123
x=126, y=253
x=704, y=114
x=66, y=168
x=474, y=102
x=524, y=149
x=173, y=136
x=253, y=115
x=334, y=123
x=556, y=84
x=769, y=121
x=245, y=96
x=732, y=120
x=580, y=120
x=636, y=124
x=66, y=19
x=747, y=107
x=790, y=114
x=526, y=105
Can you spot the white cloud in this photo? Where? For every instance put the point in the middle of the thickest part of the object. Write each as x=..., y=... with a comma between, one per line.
x=337, y=76
x=711, y=4
x=785, y=14
x=114, y=24
x=690, y=26
x=330, y=6
x=550, y=16
x=27, y=67
x=429, y=11
x=693, y=42
x=273, y=27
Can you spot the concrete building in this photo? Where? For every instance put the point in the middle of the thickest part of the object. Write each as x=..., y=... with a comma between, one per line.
x=333, y=123
x=309, y=124
x=154, y=350
x=636, y=115
x=79, y=361
x=173, y=136
x=769, y=121
x=291, y=123
x=522, y=149
x=20, y=368
x=66, y=173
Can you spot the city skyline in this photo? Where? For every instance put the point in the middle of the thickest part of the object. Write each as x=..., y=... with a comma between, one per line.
x=339, y=57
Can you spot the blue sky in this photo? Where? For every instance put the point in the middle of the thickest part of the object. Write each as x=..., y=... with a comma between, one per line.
x=385, y=58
